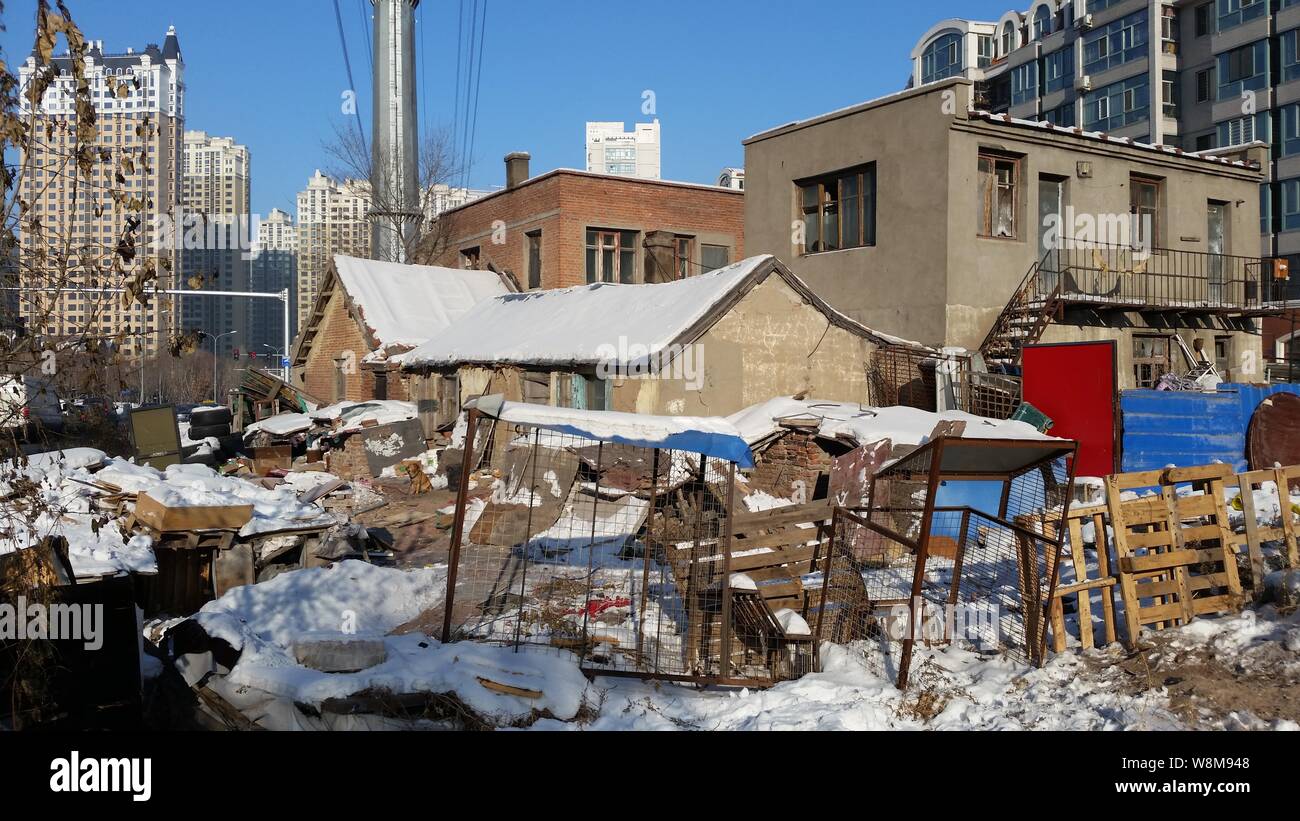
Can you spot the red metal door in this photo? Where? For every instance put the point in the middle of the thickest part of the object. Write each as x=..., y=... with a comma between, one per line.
x=1076, y=384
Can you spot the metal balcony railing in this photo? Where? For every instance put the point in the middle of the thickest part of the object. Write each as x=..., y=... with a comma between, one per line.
x=1157, y=278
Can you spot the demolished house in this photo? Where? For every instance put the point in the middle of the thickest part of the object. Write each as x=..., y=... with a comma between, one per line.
x=369, y=311
x=709, y=344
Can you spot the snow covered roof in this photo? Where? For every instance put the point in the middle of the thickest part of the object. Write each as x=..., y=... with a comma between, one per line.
x=583, y=324
x=404, y=305
x=860, y=424
x=711, y=436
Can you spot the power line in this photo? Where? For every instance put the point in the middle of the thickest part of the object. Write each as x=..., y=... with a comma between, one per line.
x=478, y=85
x=460, y=37
x=369, y=38
x=469, y=90
x=352, y=86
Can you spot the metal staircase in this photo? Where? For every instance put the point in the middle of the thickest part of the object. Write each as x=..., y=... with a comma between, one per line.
x=1023, y=320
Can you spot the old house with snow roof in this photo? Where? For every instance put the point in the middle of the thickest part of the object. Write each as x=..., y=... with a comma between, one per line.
x=706, y=345
x=920, y=214
x=368, y=312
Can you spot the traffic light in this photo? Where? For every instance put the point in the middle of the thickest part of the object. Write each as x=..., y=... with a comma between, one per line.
x=234, y=353
x=252, y=354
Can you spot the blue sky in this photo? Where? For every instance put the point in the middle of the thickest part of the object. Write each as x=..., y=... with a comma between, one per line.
x=270, y=73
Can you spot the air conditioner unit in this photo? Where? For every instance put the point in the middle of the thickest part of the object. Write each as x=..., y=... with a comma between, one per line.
x=1084, y=22
x=1084, y=83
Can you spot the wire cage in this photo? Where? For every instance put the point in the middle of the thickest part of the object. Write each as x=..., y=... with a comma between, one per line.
x=620, y=553
x=927, y=560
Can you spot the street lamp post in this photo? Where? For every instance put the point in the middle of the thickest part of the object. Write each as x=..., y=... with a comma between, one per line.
x=214, y=363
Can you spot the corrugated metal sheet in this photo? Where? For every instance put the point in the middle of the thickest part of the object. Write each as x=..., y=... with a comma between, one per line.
x=1186, y=428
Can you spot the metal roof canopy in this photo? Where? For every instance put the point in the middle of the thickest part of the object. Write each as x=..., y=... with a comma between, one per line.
x=964, y=459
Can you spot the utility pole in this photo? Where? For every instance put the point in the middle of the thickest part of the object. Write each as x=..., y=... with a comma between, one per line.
x=394, y=154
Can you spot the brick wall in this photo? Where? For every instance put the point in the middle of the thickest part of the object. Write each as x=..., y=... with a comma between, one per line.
x=563, y=205
x=339, y=333
x=795, y=457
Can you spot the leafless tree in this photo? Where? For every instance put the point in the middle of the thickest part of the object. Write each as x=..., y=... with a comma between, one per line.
x=350, y=157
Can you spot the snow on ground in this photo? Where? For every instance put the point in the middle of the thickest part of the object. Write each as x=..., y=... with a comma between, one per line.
x=354, y=599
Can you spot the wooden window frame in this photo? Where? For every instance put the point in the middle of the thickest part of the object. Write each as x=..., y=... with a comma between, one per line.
x=1140, y=362
x=865, y=200
x=601, y=235
x=988, y=209
x=1136, y=181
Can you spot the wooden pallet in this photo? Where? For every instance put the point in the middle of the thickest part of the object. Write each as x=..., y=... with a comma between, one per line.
x=1256, y=534
x=1083, y=587
x=1175, y=556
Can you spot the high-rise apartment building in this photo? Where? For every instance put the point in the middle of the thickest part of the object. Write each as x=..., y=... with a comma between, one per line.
x=442, y=197
x=331, y=220
x=635, y=153
x=139, y=99
x=275, y=268
x=1199, y=75
x=216, y=237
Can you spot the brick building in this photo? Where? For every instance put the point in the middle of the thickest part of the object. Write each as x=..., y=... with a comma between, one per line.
x=369, y=312
x=570, y=227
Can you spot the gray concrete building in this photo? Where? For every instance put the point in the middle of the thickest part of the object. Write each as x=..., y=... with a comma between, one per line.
x=921, y=216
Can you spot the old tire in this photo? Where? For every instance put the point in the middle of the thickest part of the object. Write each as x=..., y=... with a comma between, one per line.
x=210, y=416
x=200, y=432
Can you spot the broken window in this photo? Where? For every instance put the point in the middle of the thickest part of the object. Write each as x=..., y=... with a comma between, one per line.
x=1150, y=360
x=534, y=259
x=682, y=257
x=999, y=177
x=839, y=210
x=469, y=258
x=611, y=255
x=1144, y=205
x=537, y=388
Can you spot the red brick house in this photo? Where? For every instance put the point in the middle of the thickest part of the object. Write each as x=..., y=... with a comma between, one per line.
x=568, y=227
x=368, y=313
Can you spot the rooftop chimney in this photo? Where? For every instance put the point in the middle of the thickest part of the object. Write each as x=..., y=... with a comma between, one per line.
x=517, y=168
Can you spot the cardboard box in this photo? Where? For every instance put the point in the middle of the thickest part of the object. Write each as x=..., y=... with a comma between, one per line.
x=155, y=514
x=269, y=458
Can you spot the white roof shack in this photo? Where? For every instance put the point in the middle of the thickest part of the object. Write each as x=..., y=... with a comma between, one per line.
x=401, y=306
x=580, y=325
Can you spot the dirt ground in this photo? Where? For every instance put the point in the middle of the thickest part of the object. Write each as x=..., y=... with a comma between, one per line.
x=1205, y=688
x=421, y=536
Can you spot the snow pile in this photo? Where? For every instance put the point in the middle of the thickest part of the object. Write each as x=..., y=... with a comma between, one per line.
x=282, y=425
x=352, y=599
x=861, y=424
x=200, y=485
x=349, y=416
x=60, y=479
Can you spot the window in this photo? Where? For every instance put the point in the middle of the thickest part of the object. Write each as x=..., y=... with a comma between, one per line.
x=1144, y=207
x=1243, y=130
x=1062, y=116
x=469, y=258
x=1204, y=85
x=1290, y=204
x=1118, y=104
x=1150, y=360
x=1008, y=38
x=713, y=257
x=1223, y=355
x=942, y=58
x=999, y=177
x=1243, y=69
x=682, y=257
x=1233, y=13
x=1290, y=119
x=1058, y=70
x=1115, y=43
x=985, y=44
x=1205, y=142
x=1169, y=91
x=839, y=210
x=1290, y=54
x=534, y=259
x=1024, y=83
x=611, y=255
x=1042, y=22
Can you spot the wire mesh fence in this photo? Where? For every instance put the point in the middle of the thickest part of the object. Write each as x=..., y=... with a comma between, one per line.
x=622, y=556
x=908, y=569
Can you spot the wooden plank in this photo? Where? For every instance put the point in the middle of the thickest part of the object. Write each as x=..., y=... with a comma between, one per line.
x=1091, y=584
x=781, y=538
x=1160, y=613
x=1122, y=552
x=1216, y=604
x=781, y=516
x=508, y=690
x=793, y=555
x=1184, y=593
x=1103, y=569
x=1158, y=538
x=1254, y=536
x=1158, y=561
x=1289, y=525
x=1178, y=476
